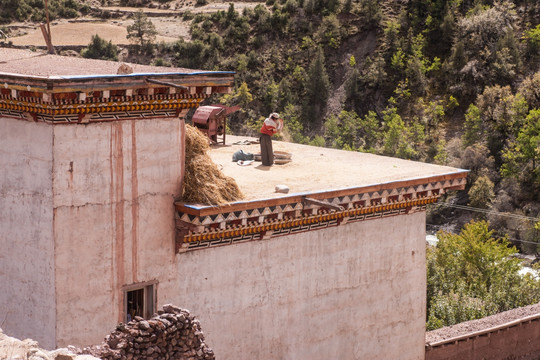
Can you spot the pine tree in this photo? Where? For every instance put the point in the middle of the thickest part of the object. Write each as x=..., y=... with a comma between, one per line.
x=142, y=32
x=317, y=85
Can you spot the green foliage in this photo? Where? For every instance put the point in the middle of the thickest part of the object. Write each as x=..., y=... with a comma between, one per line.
x=398, y=138
x=353, y=91
x=142, y=32
x=100, y=49
x=329, y=32
x=432, y=114
x=417, y=65
x=241, y=96
x=448, y=26
x=161, y=62
x=317, y=85
x=392, y=40
x=532, y=39
x=371, y=12
x=352, y=132
x=452, y=308
x=292, y=130
x=522, y=156
x=485, y=49
x=317, y=141
x=441, y=157
x=472, y=275
x=473, y=126
x=375, y=75
x=22, y=10
x=270, y=96
x=198, y=54
x=369, y=132
x=342, y=130
x=237, y=32
x=530, y=91
x=481, y=194
x=324, y=7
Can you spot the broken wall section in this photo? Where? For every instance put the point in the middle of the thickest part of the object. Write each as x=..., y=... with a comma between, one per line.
x=173, y=333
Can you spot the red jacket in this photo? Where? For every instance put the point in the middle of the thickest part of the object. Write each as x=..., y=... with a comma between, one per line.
x=269, y=127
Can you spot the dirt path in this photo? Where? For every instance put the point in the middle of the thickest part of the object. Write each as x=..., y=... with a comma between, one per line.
x=80, y=33
x=168, y=22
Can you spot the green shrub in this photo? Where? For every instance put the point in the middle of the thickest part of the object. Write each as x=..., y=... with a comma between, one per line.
x=532, y=39
x=481, y=194
x=472, y=275
x=161, y=62
x=100, y=49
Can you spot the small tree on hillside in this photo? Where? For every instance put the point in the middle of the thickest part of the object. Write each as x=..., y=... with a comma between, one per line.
x=142, y=32
x=317, y=85
x=481, y=193
x=522, y=156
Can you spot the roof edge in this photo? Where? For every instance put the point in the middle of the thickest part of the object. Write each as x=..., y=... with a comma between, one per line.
x=203, y=210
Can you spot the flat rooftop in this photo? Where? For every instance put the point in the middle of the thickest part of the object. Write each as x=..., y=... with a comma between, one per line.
x=38, y=73
x=39, y=63
x=315, y=170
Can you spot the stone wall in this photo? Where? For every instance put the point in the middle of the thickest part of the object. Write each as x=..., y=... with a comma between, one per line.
x=508, y=335
x=173, y=333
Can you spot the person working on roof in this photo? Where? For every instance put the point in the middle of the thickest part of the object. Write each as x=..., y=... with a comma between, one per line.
x=271, y=125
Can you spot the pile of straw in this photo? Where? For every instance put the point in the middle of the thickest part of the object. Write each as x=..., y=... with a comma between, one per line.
x=204, y=183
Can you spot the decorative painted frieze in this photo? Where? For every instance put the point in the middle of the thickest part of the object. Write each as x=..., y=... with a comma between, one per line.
x=210, y=226
x=85, y=99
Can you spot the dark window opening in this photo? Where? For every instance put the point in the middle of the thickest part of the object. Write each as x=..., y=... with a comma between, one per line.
x=139, y=302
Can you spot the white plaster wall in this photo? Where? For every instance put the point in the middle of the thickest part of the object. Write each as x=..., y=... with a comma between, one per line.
x=27, y=302
x=355, y=291
x=114, y=185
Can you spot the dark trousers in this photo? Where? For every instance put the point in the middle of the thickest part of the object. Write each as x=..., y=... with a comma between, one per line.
x=267, y=153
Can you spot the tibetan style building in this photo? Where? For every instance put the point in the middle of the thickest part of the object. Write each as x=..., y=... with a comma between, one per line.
x=93, y=230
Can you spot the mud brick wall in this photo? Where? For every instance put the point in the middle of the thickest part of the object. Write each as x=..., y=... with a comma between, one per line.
x=519, y=340
x=172, y=333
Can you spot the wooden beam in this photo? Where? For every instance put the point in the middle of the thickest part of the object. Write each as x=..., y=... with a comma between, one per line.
x=310, y=201
x=177, y=86
x=48, y=38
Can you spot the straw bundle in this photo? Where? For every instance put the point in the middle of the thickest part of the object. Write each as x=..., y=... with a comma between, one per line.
x=204, y=183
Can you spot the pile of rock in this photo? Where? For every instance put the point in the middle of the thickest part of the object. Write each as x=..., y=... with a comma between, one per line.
x=14, y=349
x=172, y=333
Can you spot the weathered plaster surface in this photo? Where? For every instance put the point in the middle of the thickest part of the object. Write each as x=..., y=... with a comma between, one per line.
x=102, y=213
x=355, y=291
x=27, y=301
x=114, y=186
